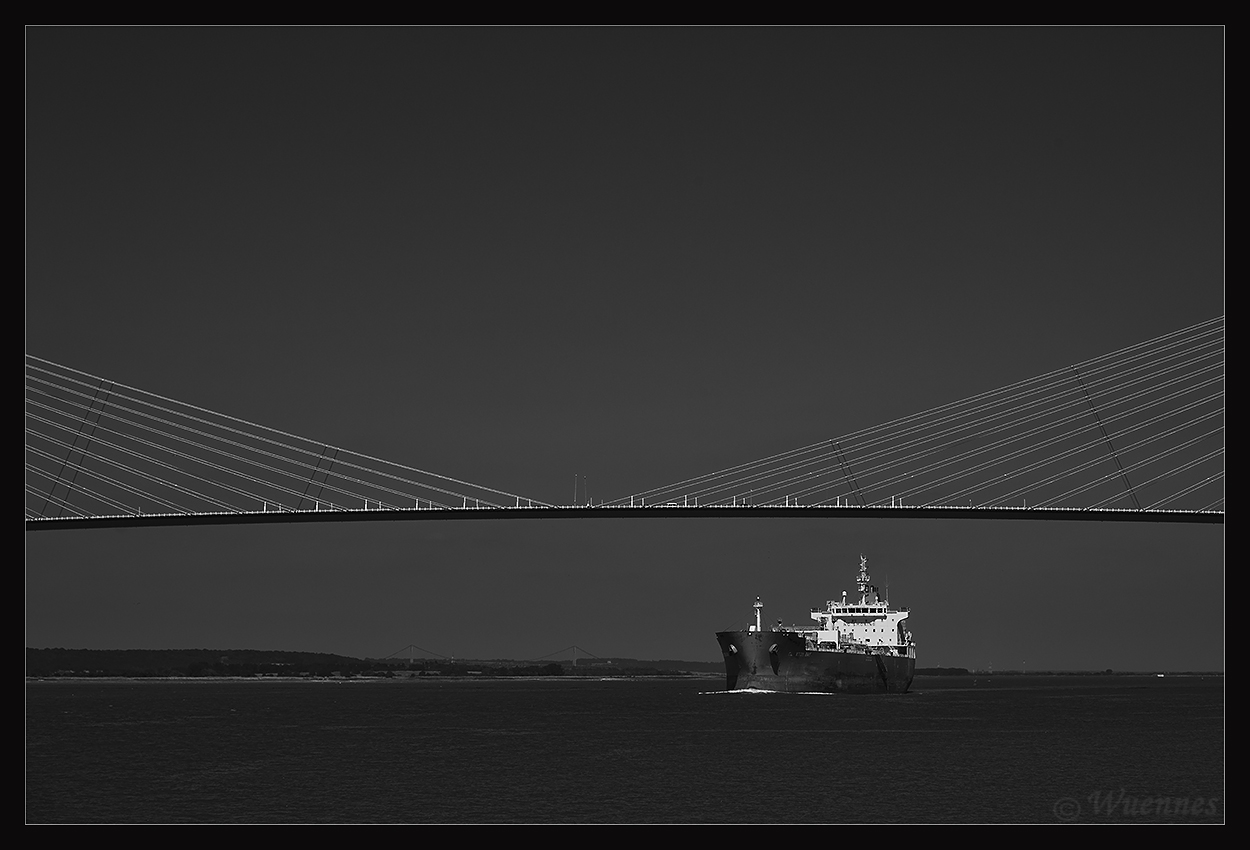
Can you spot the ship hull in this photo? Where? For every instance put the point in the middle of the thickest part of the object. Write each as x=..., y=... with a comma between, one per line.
x=781, y=661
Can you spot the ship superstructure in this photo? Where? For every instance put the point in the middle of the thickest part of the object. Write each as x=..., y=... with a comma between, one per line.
x=866, y=622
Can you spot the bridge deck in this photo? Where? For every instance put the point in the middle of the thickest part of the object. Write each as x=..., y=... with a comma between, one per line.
x=611, y=512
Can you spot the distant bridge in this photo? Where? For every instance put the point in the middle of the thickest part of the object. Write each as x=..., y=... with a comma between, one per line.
x=1135, y=435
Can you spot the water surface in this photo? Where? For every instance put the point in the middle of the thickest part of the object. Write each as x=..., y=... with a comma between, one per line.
x=957, y=749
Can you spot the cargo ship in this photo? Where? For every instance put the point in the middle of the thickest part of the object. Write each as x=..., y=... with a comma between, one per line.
x=857, y=646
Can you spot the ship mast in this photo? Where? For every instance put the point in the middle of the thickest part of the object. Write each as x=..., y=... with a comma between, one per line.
x=863, y=580
x=759, y=606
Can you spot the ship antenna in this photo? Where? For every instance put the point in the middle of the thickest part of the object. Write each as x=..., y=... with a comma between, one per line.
x=863, y=579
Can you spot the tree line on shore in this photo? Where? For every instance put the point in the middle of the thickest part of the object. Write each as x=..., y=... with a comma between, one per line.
x=197, y=663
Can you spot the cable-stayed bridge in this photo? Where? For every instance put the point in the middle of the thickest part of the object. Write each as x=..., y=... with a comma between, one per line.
x=1136, y=435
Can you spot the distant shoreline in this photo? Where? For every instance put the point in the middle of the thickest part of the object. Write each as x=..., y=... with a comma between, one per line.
x=249, y=663
x=58, y=663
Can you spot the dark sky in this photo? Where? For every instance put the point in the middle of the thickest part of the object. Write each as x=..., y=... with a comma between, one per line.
x=517, y=255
